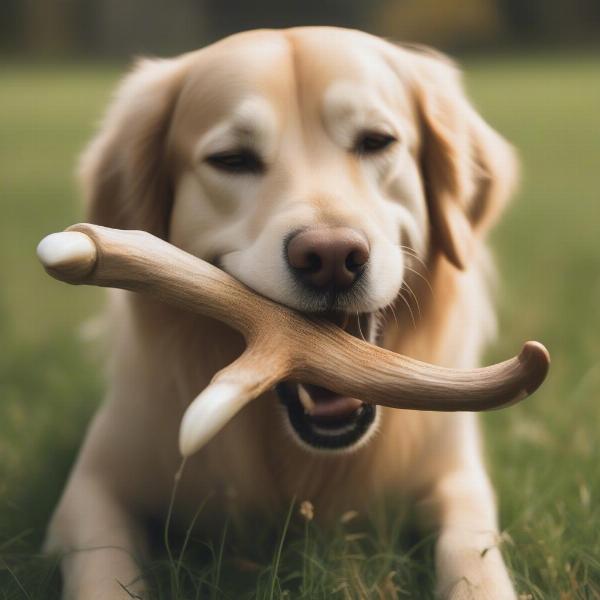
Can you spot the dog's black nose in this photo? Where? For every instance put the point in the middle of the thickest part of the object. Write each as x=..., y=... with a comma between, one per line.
x=328, y=257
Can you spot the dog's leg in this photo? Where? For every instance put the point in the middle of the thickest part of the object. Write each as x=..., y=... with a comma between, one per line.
x=469, y=564
x=98, y=540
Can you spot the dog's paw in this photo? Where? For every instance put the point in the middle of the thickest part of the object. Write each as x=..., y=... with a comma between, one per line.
x=485, y=590
x=465, y=572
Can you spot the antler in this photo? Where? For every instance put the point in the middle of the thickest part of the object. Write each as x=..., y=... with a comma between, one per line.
x=281, y=343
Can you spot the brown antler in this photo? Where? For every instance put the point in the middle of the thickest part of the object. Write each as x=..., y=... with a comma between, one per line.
x=281, y=343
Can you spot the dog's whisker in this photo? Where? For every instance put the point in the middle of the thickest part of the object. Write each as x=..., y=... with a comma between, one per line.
x=395, y=315
x=393, y=311
x=359, y=327
x=411, y=292
x=412, y=316
x=410, y=250
x=427, y=282
x=412, y=254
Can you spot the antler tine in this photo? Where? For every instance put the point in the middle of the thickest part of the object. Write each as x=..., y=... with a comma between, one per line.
x=378, y=376
x=252, y=374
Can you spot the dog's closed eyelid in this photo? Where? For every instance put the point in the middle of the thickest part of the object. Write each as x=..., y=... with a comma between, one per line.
x=368, y=142
x=237, y=161
x=236, y=138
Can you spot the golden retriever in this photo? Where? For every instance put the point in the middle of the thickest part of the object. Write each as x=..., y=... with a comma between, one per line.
x=334, y=172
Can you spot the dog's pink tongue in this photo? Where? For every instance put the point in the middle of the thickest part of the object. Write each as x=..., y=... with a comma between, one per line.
x=328, y=404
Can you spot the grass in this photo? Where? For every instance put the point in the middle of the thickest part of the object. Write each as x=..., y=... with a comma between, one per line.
x=543, y=454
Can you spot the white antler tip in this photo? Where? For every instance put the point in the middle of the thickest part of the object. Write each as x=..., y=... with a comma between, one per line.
x=209, y=413
x=65, y=249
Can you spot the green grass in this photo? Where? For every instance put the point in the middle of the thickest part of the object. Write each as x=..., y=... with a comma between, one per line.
x=543, y=454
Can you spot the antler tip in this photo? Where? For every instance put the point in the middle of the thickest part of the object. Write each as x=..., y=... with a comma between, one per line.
x=536, y=360
x=68, y=252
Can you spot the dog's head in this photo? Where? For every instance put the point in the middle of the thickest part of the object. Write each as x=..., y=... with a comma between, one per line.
x=314, y=165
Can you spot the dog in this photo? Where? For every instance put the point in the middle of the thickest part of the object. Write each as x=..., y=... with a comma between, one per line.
x=336, y=173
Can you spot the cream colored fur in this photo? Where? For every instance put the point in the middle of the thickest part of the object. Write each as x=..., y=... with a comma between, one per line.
x=299, y=96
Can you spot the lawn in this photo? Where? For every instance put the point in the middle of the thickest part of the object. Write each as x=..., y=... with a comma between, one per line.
x=543, y=454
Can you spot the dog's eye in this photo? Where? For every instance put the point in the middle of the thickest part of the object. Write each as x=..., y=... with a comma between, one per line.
x=372, y=142
x=237, y=161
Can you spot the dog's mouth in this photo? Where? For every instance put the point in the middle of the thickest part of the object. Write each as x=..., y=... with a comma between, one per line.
x=322, y=419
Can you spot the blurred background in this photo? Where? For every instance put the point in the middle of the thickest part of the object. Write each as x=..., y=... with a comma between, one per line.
x=116, y=29
x=532, y=68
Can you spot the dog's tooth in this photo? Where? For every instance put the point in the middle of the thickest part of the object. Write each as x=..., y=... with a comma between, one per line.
x=305, y=398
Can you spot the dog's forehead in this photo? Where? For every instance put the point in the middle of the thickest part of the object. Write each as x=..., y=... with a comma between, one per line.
x=227, y=80
x=324, y=56
x=327, y=72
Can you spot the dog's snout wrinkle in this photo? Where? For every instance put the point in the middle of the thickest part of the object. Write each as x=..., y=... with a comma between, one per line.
x=328, y=257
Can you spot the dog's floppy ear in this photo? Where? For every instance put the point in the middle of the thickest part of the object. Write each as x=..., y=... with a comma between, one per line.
x=123, y=170
x=469, y=170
